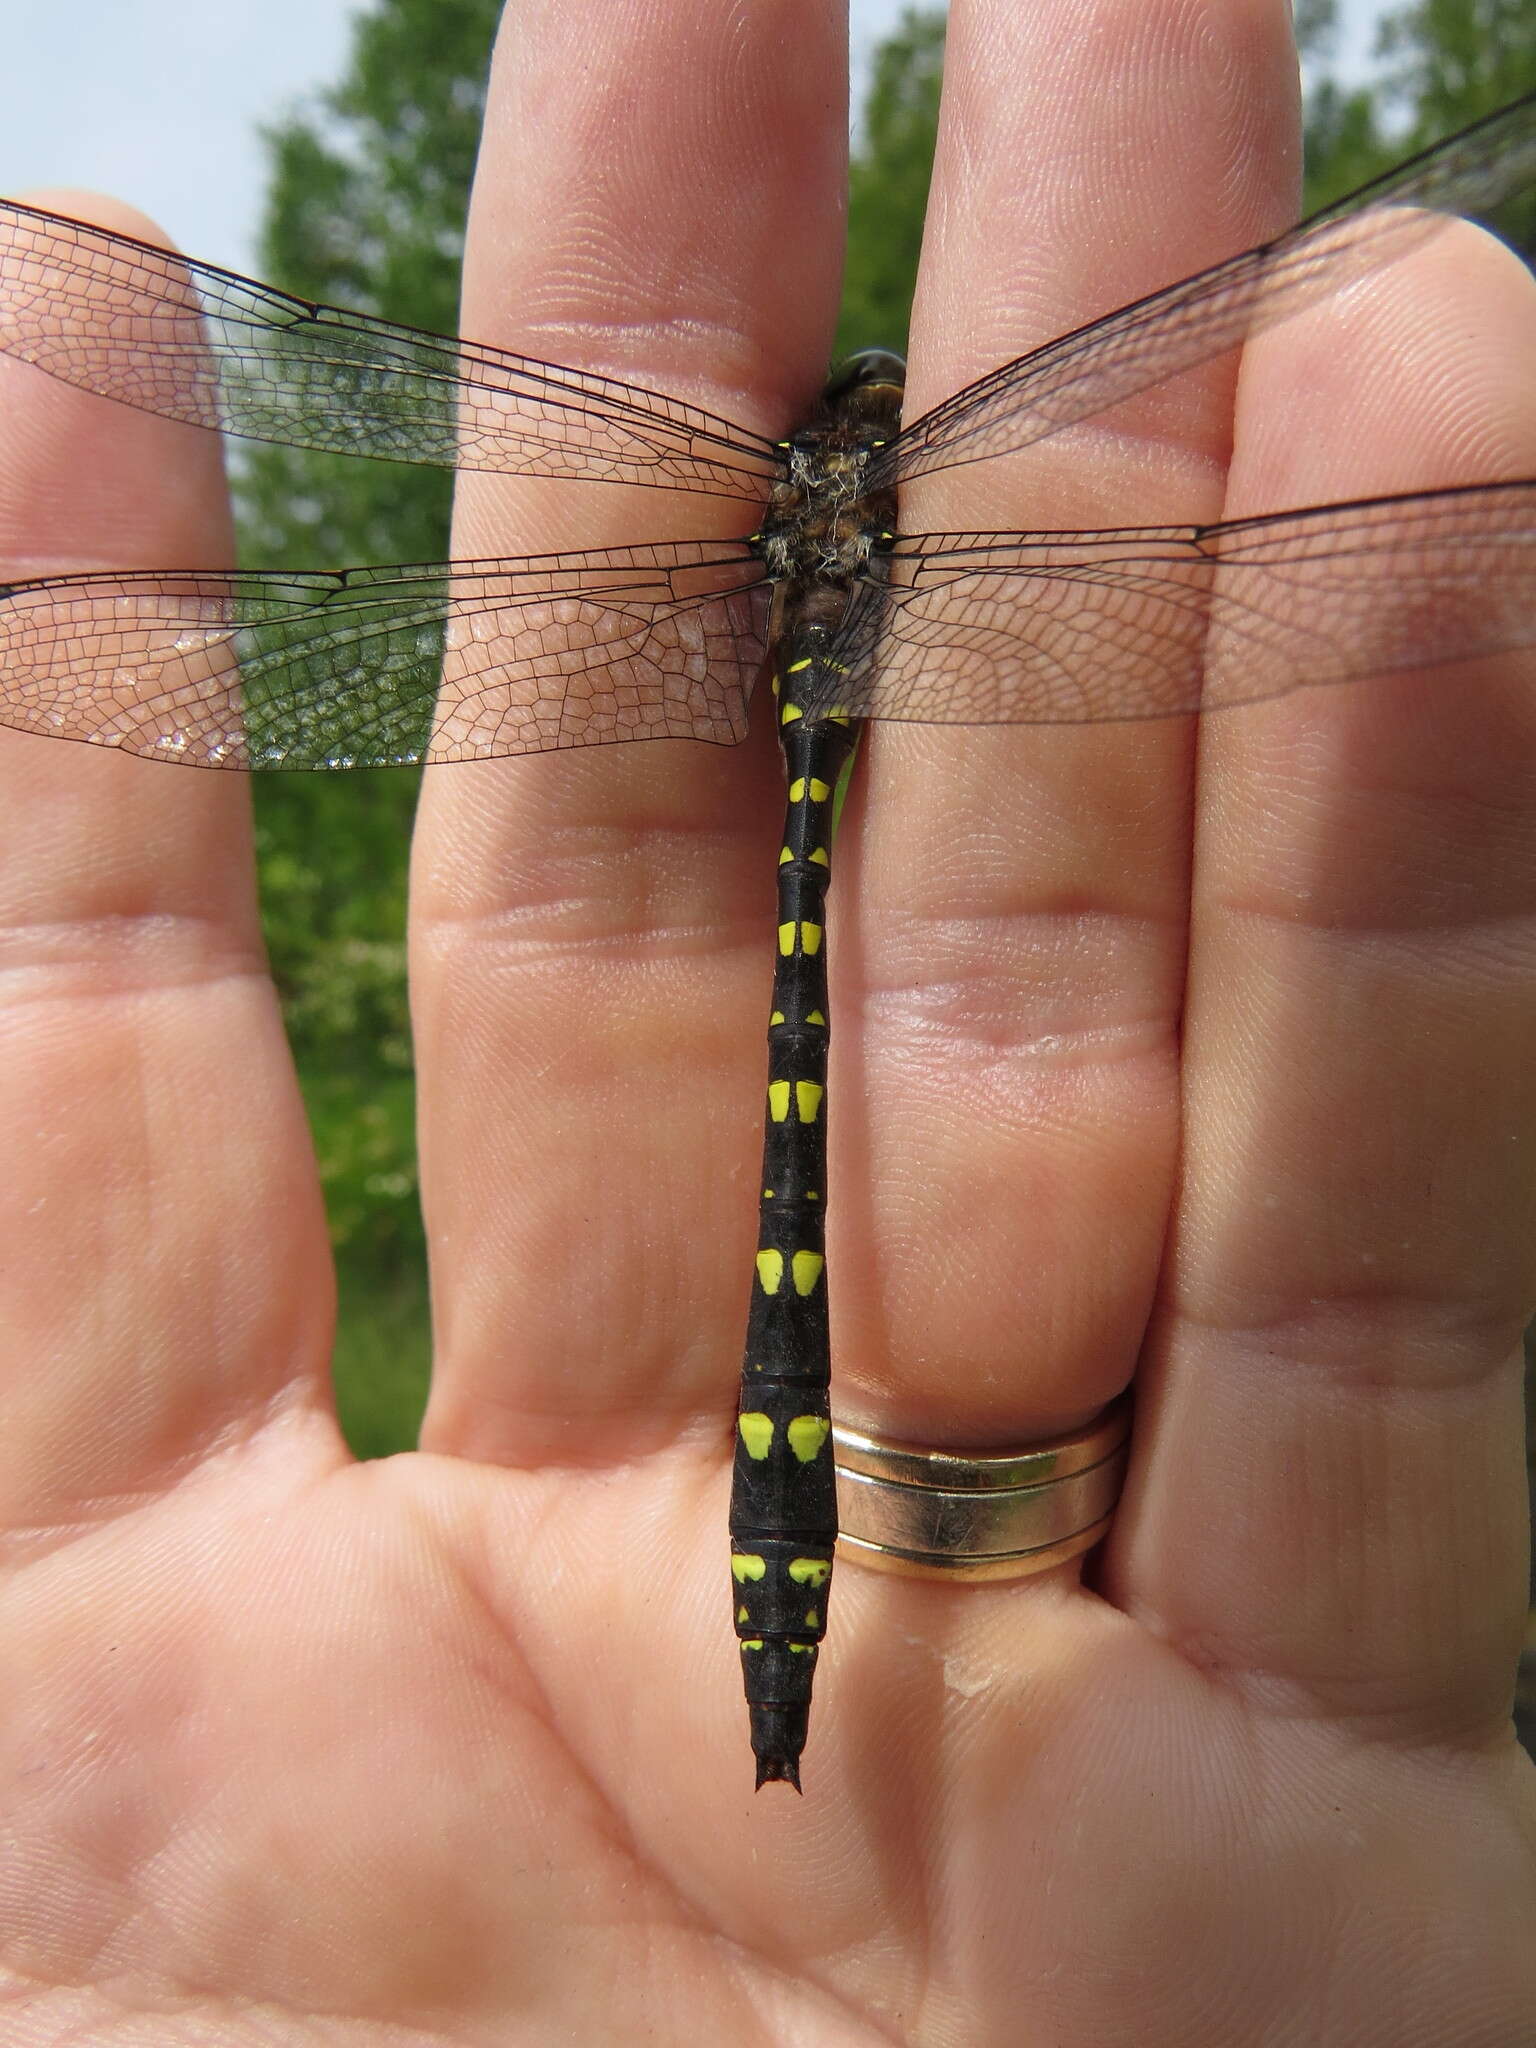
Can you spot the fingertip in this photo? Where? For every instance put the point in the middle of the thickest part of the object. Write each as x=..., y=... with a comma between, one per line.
x=86, y=483
x=100, y=209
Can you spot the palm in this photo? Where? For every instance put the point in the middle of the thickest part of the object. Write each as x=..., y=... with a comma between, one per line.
x=454, y=1743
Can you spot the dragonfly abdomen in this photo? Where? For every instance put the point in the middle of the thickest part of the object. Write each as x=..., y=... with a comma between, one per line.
x=783, y=1499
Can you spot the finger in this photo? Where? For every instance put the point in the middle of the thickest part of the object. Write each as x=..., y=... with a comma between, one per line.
x=1020, y=895
x=165, y=1280
x=590, y=959
x=1336, y=1383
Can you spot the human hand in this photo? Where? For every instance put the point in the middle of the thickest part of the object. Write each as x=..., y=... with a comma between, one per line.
x=1213, y=1058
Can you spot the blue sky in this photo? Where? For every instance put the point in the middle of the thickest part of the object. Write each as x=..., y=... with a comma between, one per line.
x=160, y=101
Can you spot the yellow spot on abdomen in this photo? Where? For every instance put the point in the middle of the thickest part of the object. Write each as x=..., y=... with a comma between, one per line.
x=745, y=1565
x=777, y=1017
x=770, y=1270
x=806, y=1267
x=808, y=1096
x=790, y=713
x=820, y=790
x=809, y=1571
x=742, y=1614
x=810, y=937
x=806, y=1435
x=778, y=1100
x=800, y=1649
x=795, y=667
x=786, y=855
x=816, y=1017
x=757, y=1435
x=786, y=939
x=819, y=856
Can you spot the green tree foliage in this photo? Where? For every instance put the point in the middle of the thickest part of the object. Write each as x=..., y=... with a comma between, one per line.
x=1344, y=144
x=1451, y=60
x=1440, y=65
x=888, y=183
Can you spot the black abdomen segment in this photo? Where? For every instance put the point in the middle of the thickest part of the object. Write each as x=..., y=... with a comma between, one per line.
x=783, y=1497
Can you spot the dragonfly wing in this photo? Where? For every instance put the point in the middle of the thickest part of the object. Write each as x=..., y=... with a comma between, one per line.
x=1155, y=622
x=191, y=342
x=1475, y=173
x=377, y=667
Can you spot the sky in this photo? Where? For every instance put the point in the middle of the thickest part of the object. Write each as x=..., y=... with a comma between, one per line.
x=161, y=101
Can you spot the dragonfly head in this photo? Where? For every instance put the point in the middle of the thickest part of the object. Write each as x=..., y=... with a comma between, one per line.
x=867, y=366
x=861, y=403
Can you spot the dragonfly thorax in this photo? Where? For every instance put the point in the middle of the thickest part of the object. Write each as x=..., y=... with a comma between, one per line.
x=825, y=518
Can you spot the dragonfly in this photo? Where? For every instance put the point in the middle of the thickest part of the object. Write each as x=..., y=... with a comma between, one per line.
x=849, y=617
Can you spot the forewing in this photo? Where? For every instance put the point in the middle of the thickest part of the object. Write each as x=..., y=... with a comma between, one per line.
x=1155, y=622
x=1477, y=173
x=377, y=667
x=191, y=342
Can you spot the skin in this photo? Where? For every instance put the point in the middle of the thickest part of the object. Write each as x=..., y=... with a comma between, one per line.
x=1203, y=1054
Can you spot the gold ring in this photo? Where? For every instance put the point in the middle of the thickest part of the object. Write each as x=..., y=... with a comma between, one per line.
x=979, y=1515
